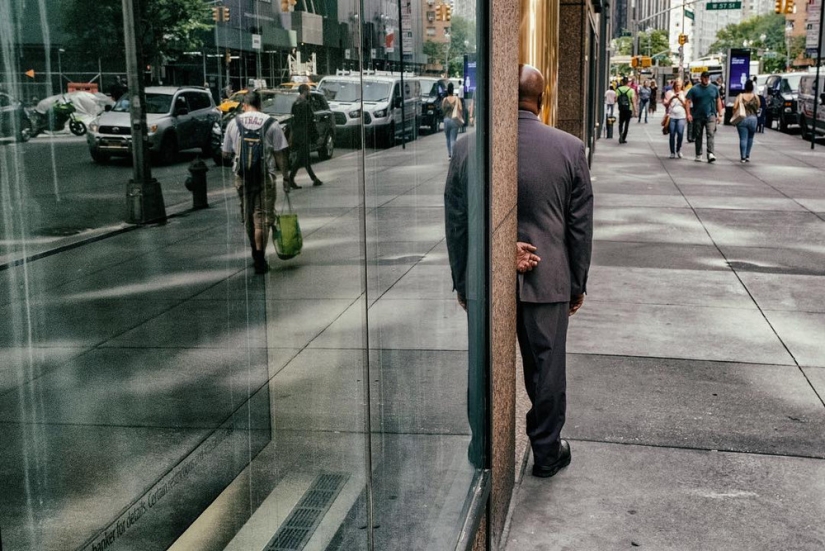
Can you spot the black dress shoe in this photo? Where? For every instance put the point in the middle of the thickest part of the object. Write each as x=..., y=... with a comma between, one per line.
x=317, y=183
x=563, y=460
x=293, y=185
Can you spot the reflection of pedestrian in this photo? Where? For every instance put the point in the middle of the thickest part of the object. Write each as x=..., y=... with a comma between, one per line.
x=555, y=221
x=257, y=198
x=453, y=118
x=117, y=89
x=304, y=134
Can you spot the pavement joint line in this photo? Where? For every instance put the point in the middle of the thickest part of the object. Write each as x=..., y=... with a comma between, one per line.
x=695, y=448
x=742, y=283
x=734, y=362
x=679, y=305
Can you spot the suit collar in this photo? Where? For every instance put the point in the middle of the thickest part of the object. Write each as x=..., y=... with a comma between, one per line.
x=522, y=114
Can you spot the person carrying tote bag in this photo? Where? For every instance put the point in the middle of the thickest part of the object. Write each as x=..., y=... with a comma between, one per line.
x=745, y=110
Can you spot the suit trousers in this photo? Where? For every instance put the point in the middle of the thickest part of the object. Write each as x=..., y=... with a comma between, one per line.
x=542, y=336
x=624, y=124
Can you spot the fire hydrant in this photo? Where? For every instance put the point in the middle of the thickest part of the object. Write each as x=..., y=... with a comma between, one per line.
x=196, y=183
x=610, y=122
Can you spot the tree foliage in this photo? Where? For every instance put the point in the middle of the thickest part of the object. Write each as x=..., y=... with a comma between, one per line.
x=749, y=34
x=166, y=28
x=462, y=41
x=654, y=42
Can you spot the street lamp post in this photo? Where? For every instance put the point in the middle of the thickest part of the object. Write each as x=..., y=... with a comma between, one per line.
x=60, y=69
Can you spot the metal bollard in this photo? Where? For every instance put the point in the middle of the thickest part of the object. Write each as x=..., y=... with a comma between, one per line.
x=609, y=127
x=196, y=183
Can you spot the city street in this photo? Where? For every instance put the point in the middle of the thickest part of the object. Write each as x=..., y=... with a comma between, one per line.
x=65, y=197
x=696, y=367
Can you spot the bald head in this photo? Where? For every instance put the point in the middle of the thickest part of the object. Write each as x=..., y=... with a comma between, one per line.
x=530, y=88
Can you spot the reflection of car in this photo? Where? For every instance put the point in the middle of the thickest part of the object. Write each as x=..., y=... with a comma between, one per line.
x=178, y=119
x=278, y=104
x=807, y=96
x=781, y=99
x=433, y=91
x=14, y=122
x=381, y=96
x=232, y=101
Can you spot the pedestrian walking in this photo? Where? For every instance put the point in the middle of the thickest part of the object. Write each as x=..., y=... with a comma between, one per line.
x=555, y=232
x=704, y=108
x=747, y=126
x=258, y=146
x=675, y=104
x=625, y=97
x=654, y=91
x=453, y=117
x=761, y=117
x=304, y=134
x=609, y=101
x=644, y=100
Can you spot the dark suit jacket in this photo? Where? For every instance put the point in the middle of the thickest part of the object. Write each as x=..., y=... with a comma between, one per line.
x=555, y=211
x=456, y=211
x=303, y=123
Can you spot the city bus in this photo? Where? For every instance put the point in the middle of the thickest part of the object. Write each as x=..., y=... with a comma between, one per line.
x=712, y=65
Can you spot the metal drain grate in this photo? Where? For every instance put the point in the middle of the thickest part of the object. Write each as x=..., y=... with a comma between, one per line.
x=302, y=521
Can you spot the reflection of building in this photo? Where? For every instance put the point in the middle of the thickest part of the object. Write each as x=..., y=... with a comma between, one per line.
x=707, y=24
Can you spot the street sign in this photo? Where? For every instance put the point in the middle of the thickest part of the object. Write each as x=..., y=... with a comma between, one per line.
x=812, y=35
x=689, y=14
x=723, y=6
x=256, y=42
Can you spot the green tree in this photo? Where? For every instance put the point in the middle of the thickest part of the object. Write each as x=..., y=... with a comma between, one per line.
x=651, y=43
x=167, y=28
x=436, y=52
x=462, y=41
x=749, y=34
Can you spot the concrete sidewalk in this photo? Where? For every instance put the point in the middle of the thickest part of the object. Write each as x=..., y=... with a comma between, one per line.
x=696, y=371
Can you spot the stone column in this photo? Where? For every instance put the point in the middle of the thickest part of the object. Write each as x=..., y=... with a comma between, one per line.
x=573, y=65
x=504, y=133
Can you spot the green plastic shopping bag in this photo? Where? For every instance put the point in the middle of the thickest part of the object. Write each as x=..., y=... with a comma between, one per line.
x=287, y=232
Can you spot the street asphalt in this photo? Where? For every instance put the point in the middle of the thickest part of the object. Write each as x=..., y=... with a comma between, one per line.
x=696, y=367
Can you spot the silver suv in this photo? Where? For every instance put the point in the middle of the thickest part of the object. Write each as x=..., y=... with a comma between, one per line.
x=178, y=119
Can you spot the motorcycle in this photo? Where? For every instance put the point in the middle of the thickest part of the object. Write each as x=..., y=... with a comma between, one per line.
x=55, y=119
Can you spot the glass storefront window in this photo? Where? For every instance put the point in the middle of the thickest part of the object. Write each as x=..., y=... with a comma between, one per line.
x=158, y=393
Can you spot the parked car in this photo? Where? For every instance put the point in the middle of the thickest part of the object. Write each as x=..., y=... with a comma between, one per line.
x=178, y=119
x=278, y=104
x=433, y=91
x=808, y=94
x=781, y=99
x=14, y=121
x=382, y=100
x=232, y=101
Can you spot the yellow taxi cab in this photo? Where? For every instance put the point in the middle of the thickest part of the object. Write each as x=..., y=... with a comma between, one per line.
x=232, y=101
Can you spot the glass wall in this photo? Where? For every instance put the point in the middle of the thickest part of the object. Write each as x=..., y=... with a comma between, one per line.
x=158, y=393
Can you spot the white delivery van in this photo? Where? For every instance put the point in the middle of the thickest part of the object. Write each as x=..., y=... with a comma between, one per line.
x=808, y=94
x=381, y=102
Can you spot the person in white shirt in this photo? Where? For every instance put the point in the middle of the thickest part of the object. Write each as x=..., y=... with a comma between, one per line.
x=610, y=100
x=674, y=102
x=258, y=203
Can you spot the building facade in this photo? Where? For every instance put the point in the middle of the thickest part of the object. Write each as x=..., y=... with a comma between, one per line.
x=157, y=393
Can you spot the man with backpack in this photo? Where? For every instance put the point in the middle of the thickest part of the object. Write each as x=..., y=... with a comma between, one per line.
x=259, y=148
x=625, y=98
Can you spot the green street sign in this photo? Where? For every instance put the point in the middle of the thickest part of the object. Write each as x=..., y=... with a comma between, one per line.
x=723, y=6
x=689, y=15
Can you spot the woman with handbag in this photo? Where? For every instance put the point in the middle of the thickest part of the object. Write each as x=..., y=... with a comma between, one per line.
x=674, y=102
x=745, y=110
x=453, y=118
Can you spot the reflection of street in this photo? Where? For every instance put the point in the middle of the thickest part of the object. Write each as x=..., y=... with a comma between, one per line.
x=157, y=357
x=64, y=195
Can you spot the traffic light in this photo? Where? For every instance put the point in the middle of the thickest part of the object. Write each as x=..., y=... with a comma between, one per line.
x=225, y=14
x=438, y=13
x=789, y=7
x=216, y=14
x=448, y=13
x=220, y=14
x=634, y=61
x=683, y=39
x=779, y=6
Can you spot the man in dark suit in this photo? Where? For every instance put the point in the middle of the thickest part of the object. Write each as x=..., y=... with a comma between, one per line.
x=304, y=134
x=555, y=215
